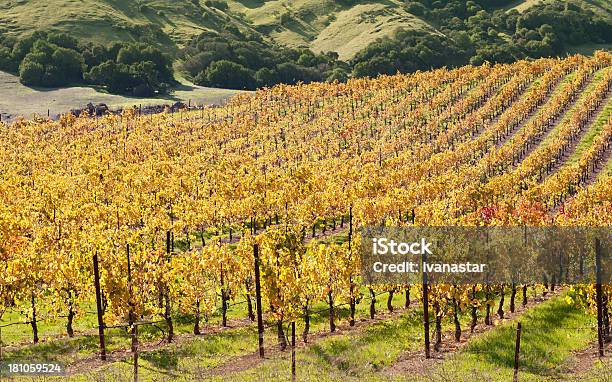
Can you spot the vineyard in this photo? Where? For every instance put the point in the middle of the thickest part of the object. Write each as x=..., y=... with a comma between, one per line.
x=130, y=235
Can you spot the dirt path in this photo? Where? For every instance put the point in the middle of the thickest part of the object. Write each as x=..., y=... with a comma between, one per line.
x=528, y=117
x=555, y=123
x=572, y=147
x=599, y=167
x=587, y=359
x=594, y=170
x=410, y=361
x=93, y=362
x=415, y=363
x=28, y=101
x=591, y=178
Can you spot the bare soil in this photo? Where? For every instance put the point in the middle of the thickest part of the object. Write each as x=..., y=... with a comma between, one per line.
x=415, y=363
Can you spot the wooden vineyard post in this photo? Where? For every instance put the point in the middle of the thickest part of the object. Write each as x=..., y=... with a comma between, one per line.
x=132, y=316
x=352, y=300
x=517, y=351
x=425, y=309
x=293, y=374
x=1, y=379
x=33, y=322
x=99, y=308
x=260, y=328
x=1, y=343
x=350, y=235
x=599, y=298
x=165, y=297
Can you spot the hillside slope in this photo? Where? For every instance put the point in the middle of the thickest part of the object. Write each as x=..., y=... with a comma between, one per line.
x=325, y=25
x=601, y=7
x=166, y=22
x=322, y=25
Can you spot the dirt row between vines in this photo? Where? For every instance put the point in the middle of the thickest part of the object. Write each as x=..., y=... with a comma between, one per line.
x=409, y=362
x=572, y=147
x=342, y=327
x=415, y=363
x=586, y=359
x=248, y=361
x=530, y=116
x=599, y=167
x=556, y=122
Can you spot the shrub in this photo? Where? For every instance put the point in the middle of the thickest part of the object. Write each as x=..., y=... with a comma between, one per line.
x=31, y=73
x=221, y=5
x=227, y=74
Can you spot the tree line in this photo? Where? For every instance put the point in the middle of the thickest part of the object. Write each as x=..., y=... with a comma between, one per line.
x=58, y=59
x=236, y=60
x=474, y=32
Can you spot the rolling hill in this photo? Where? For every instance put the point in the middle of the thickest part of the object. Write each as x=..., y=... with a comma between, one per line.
x=322, y=25
x=325, y=25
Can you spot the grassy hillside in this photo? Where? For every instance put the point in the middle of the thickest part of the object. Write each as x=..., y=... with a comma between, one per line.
x=325, y=25
x=601, y=7
x=167, y=22
x=322, y=25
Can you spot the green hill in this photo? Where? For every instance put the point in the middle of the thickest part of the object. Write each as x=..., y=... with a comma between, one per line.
x=322, y=25
x=327, y=25
x=601, y=7
x=341, y=26
x=166, y=22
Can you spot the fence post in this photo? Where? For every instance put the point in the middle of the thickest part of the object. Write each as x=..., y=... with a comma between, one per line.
x=135, y=350
x=293, y=374
x=1, y=344
x=425, y=309
x=350, y=235
x=599, y=298
x=260, y=328
x=99, y=308
x=132, y=316
x=517, y=351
